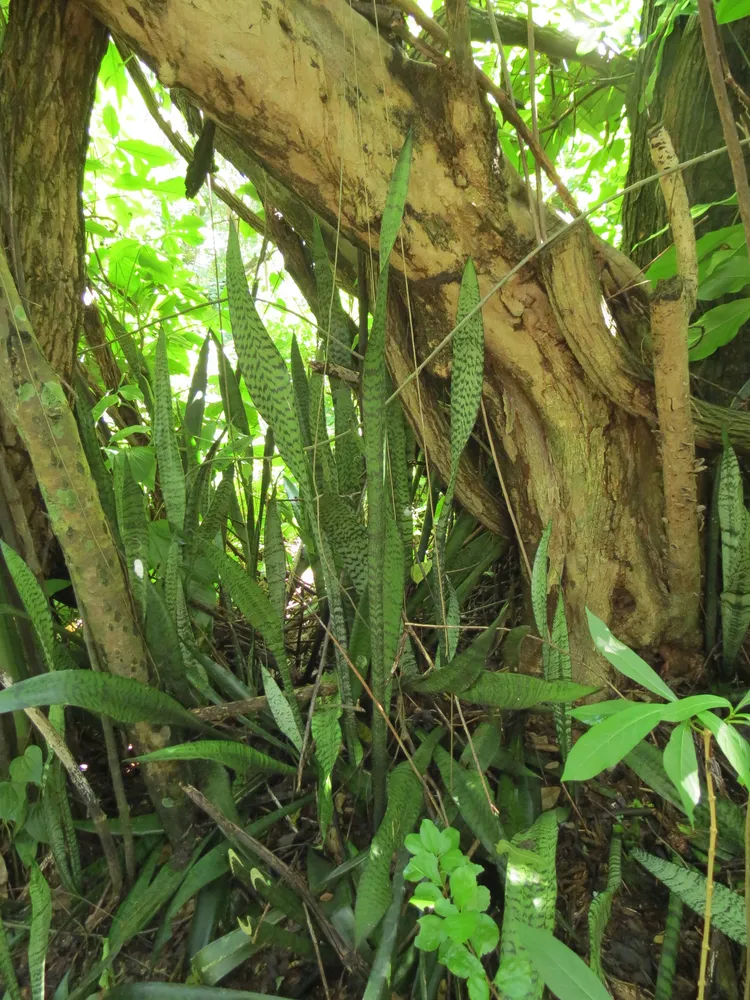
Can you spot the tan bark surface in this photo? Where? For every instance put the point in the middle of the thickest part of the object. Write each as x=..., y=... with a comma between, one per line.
x=324, y=103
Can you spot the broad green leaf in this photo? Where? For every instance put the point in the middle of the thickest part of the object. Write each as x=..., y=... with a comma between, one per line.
x=681, y=764
x=566, y=975
x=121, y=698
x=520, y=691
x=41, y=920
x=347, y=535
x=606, y=743
x=382, y=968
x=326, y=732
x=732, y=10
x=171, y=474
x=727, y=909
x=179, y=991
x=734, y=746
x=625, y=660
x=717, y=327
x=238, y=756
x=196, y=401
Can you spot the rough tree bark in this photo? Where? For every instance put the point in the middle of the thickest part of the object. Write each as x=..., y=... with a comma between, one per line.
x=50, y=60
x=323, y=102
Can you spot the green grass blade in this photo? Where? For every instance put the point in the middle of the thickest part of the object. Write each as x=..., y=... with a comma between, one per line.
x=171, y=473
x=41, y=920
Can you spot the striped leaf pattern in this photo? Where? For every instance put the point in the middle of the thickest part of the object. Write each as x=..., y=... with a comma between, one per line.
x=263, y=369
x=601, y=907
x=735, y=553
x=274, y=556
x=41, y=920
x=171, y=473
x=34, y=601
x=334, y=326
x=133, y=522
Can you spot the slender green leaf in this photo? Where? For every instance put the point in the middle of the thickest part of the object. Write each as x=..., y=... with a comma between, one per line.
x=539, y=583
x=286, y=718
x=34, y=601
x=171, y=474
x=465, y=668
x=239, y=756
x=520, y=691
x=601, y=907
x=41, y=920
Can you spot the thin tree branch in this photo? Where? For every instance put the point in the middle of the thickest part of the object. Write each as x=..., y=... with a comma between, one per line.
x=721, y=95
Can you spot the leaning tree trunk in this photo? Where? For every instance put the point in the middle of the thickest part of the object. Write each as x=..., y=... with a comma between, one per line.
x=323, y=102
x=50, y=60
x=695, y=127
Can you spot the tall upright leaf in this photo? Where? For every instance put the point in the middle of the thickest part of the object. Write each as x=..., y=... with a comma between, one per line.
x=41, y=920
x=334, y=326
x=133, y=522
x=263, y=369
x=373, y=400
x=171, y=473
x=735, y=554
x=34, y=601
x=196, y=401
x=274, y=557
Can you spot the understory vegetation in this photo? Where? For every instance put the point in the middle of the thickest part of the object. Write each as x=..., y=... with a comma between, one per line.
x=280, y=715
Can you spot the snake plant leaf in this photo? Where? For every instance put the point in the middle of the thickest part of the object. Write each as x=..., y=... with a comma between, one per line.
x=398, y=477
x=274, y=556
x=231, y=397
x=465, y=668
x=393, y=588
x=727, y=909
x=395, y=202
x=405, y=800
x=530, y=896
x=133, y=524
x=218, y=509
x=196, y=401
x=326, y=732
x=469, y=792
x=560, y=668
x=163, y=642
x=348, y=452
x=250, y=599
x=238, y=756
x=734, y=520
x=515, y=692
x=171, y=473
x=347, y=535
x=34, y=601
x=601, y=907
x=286, y=719
x=121, y=698
x=467, y=371
x=41, y=920
x=539, y=583
x=301, y=386
x=332, y=320
x=92, y=448
x=263, y=369
x=7, y=967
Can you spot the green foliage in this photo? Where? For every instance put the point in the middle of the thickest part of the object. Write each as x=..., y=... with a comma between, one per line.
x=727, y=909
x=41, y=920
x=735, y=555
x=457, y=925
x=601, y=907
x=171, y=474
x=238, y=756
x=530, y=894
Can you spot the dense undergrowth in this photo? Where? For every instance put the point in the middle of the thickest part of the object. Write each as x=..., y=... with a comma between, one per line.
x=373, y=798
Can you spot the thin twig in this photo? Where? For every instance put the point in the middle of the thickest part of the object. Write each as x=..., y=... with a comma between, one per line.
x=350, y=959
x=706, y=945
x=253, y=706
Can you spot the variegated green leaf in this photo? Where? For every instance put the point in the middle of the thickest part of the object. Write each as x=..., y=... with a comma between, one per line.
x=601, y=907
x=34, y=602
x=171, y=473
x=286, y=719
x=326, y=732
x=539, y=584
x=263, y=369
x=274, y=556
x=334, y=327
x=41, y=920
x=133, y=522
x=395, y=202
x=238, y=756
x=520, y=691
x=470, y=793
x=347, y=535
x=559, y=668
x=196, y=401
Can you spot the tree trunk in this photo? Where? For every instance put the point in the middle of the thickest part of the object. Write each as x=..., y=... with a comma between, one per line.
x=50, y=60
x=323, y=102
x=695, y=128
